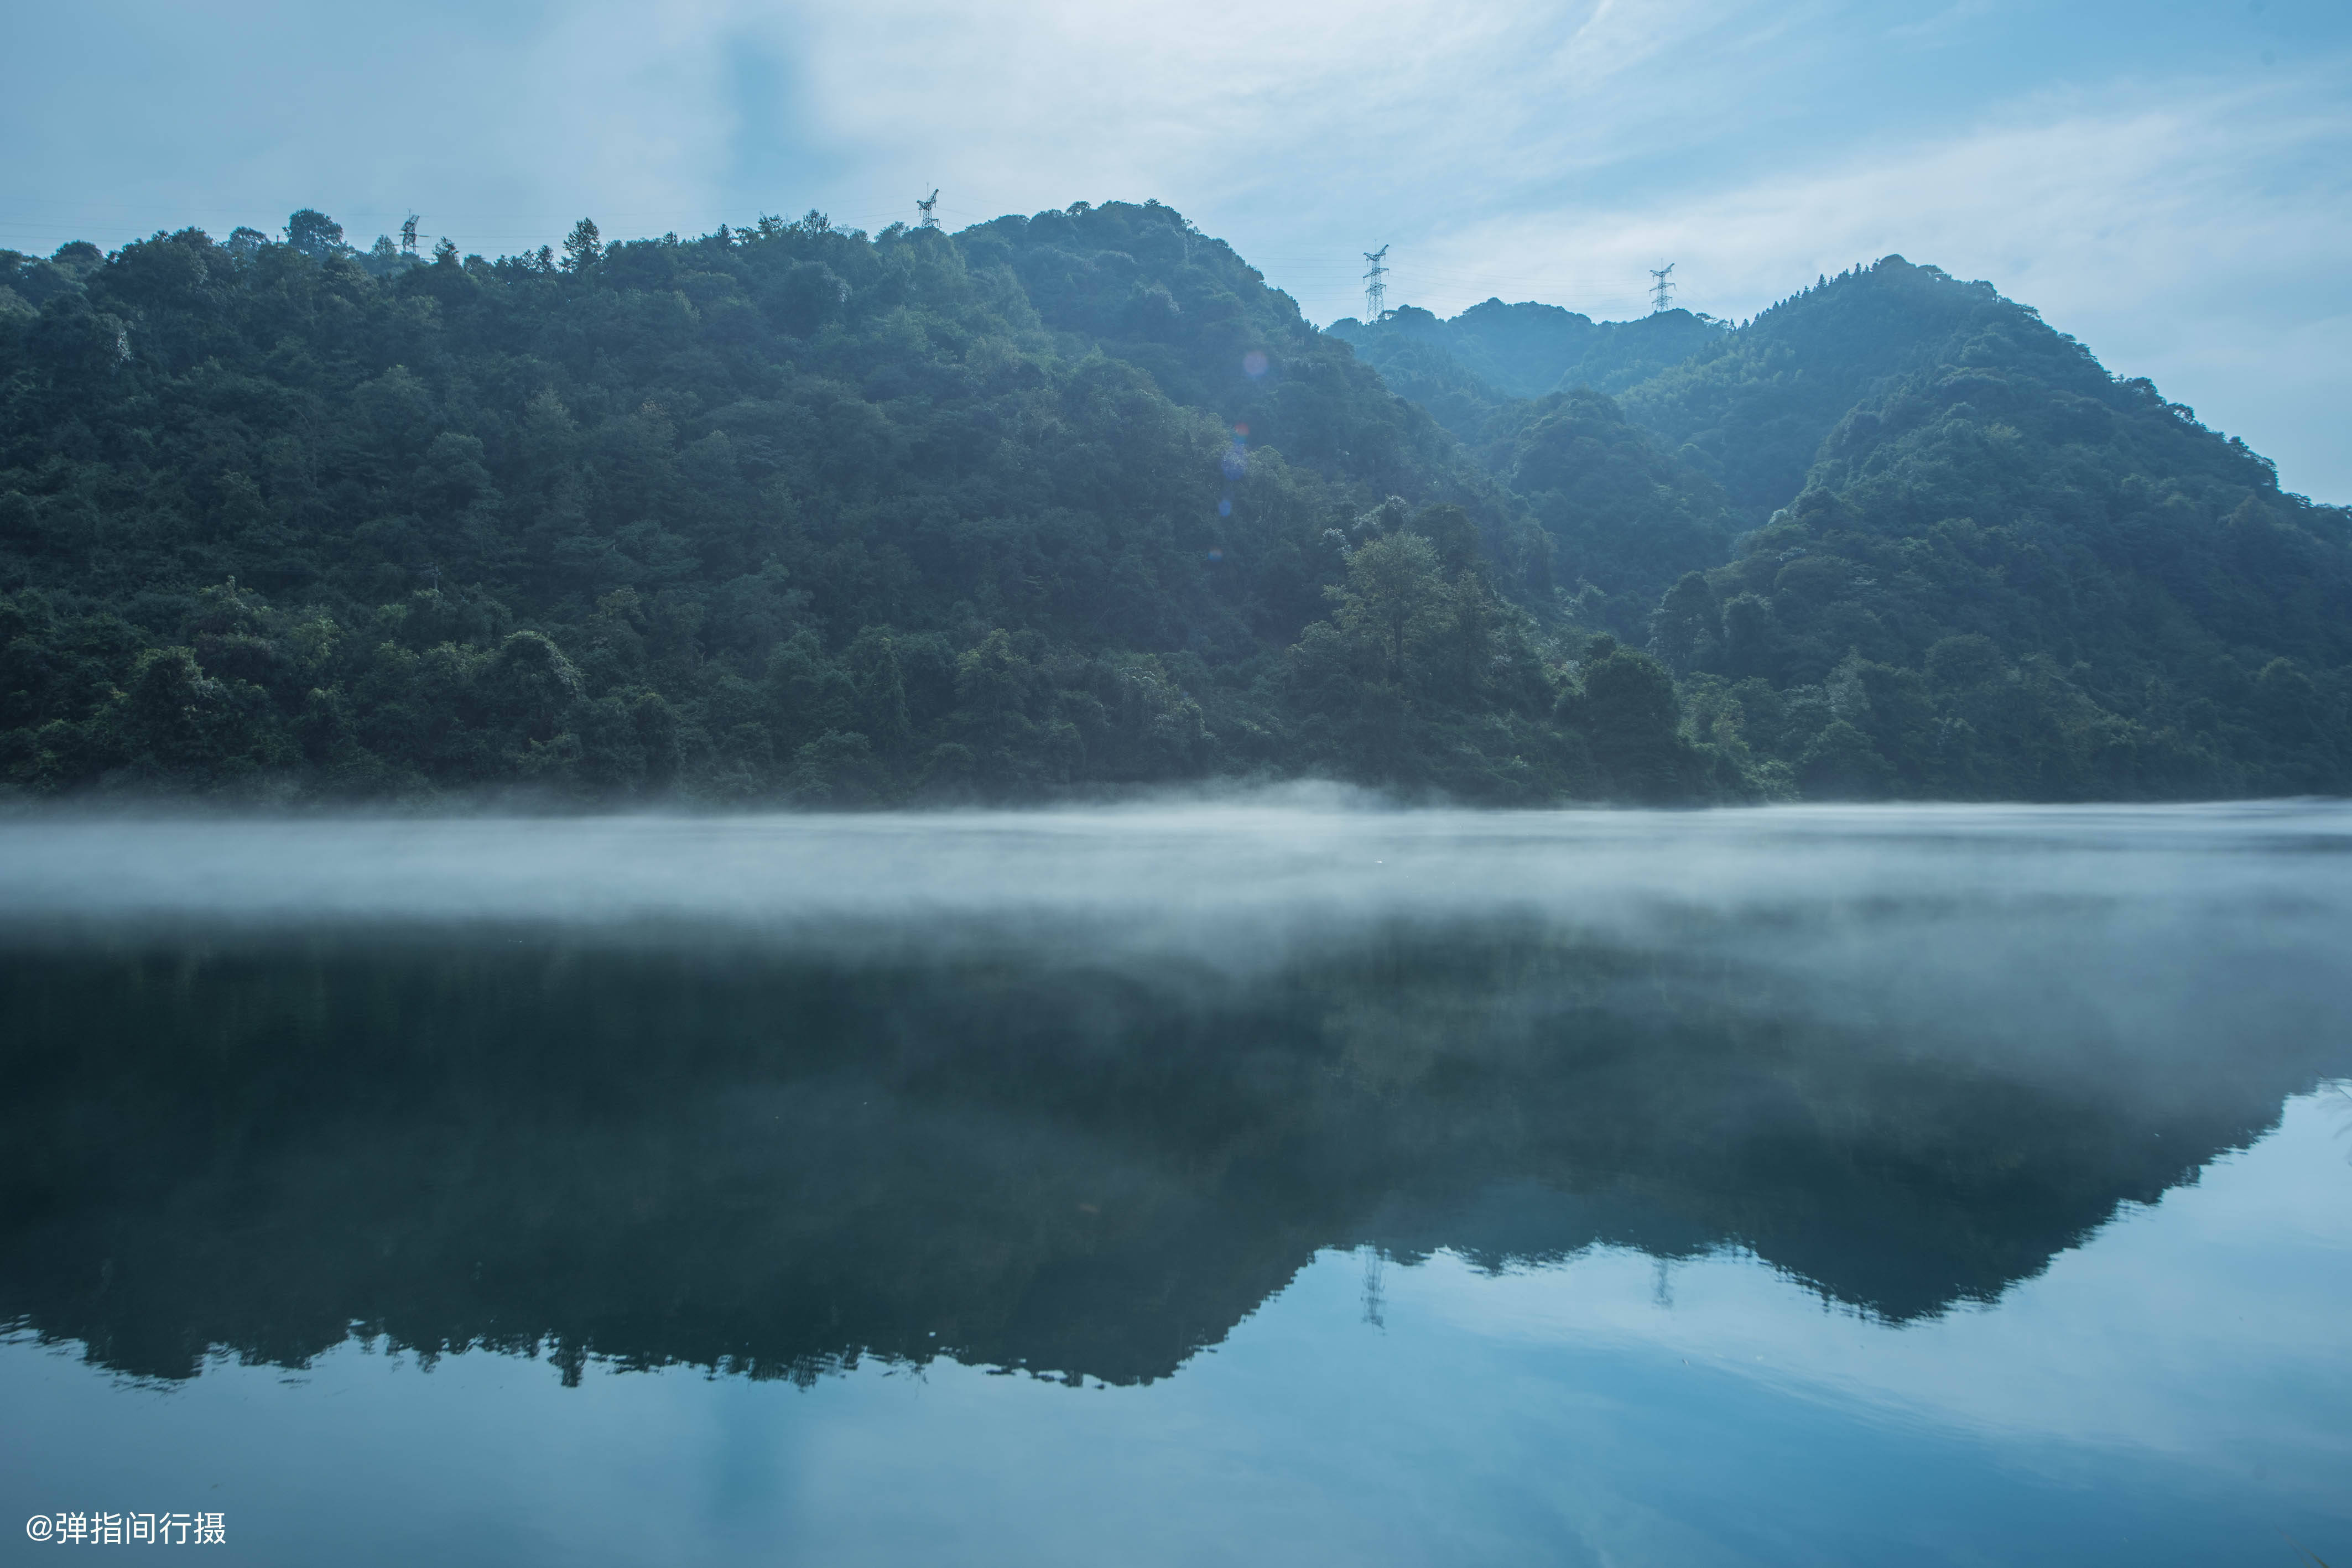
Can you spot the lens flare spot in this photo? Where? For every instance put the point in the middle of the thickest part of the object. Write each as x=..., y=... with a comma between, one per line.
x=1218, y=554
x=1254, y=364
x=1225, y=507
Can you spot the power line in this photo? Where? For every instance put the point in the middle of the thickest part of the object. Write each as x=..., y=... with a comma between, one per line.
x=925, y=204
x=1376, y=291
x=1662, y=292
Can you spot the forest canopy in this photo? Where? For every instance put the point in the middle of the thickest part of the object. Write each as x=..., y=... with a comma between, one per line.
x=796, y=514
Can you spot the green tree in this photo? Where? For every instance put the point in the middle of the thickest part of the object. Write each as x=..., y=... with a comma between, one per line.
x=1394, y=588
x=1625, y=706
x=582, y=248
x=314, y=233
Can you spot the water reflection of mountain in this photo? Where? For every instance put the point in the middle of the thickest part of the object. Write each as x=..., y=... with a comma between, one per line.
x=660, y=1152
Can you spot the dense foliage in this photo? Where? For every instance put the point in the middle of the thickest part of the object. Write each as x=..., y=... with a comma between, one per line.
x=784, y=513
x=2007, y=574
x=1899, y=538
x=1626, y=520
x=795, y=513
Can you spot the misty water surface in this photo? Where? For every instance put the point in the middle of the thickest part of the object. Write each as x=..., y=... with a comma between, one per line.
x=1262, y=1179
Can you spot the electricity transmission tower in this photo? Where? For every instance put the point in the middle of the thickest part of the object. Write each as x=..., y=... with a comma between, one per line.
x=408, y=236
x=1376, y=289
x=1662, y=292
x=925, y=204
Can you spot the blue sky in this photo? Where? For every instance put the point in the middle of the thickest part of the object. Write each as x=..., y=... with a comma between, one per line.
x=2171, y=183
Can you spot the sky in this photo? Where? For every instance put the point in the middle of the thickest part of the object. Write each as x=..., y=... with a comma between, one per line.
x=2172, y=183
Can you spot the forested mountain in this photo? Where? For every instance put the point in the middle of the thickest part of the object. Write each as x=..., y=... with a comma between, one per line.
x=2006, y=573
x=1898, y=537
x=792, y=512
x=783, y=513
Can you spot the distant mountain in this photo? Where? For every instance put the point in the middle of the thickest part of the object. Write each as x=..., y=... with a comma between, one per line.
x=1463, y=370
x=798, y=513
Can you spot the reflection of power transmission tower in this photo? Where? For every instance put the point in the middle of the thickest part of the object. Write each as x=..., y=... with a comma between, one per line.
x=408, y=236
x=925, y=204
x=1662, y=293
x=1376, y=291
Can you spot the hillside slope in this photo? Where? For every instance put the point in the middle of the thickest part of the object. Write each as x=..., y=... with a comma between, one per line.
x=1626, y=519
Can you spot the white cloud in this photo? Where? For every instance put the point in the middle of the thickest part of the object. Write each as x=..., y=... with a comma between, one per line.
x=1307, y=106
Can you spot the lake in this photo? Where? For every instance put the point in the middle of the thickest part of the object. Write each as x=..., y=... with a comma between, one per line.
x=1274, y=1180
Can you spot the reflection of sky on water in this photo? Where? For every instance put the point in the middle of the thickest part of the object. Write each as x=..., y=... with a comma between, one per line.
x=2208, y=1328
x=2170, y=1392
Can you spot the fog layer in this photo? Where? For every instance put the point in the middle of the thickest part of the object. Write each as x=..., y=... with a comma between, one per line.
x=1221, y=876
x=2168, y=928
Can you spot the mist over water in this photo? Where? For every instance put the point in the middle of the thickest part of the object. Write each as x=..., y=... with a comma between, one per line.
x=2068, y=930
x=1298, y=846
x=1236, y=1107
x=1217, y=879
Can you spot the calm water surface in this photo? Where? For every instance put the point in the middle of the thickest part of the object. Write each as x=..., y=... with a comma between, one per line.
x=1263, y=1182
